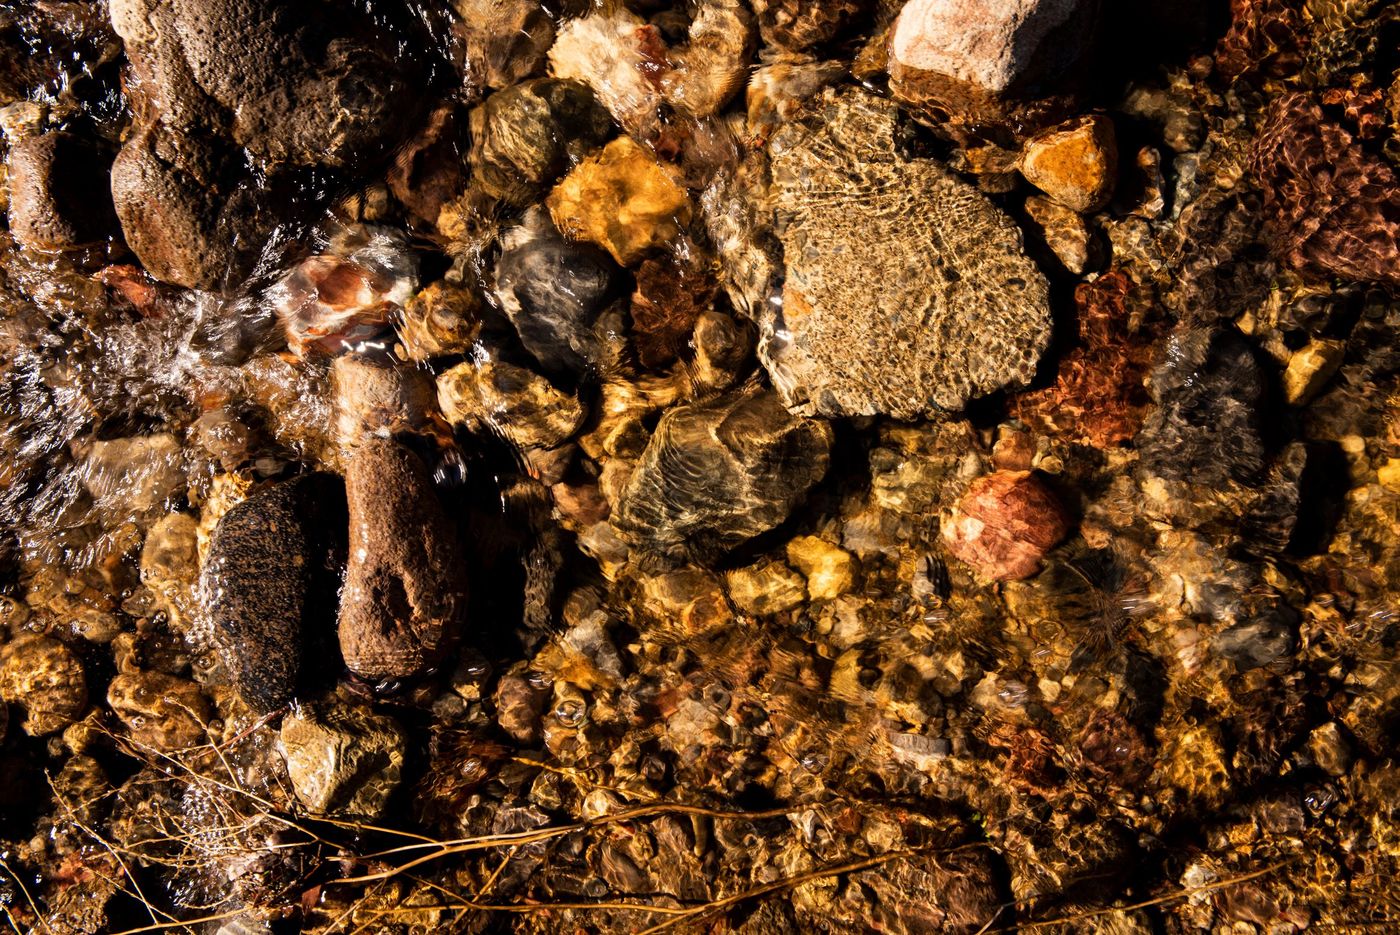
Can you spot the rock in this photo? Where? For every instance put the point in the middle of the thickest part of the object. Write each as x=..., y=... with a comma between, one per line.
x=1329, y=749
x=1330, y=207
x=632, y=70
x=60, y=193
x=506, y=40
x=429, y=170
x=495, y=397
x=343, y=760
x=133, y=476
x=687, y=603
x=45, y=678
x=405, y=596
x=552, y=291
x=528, y=135
x=439, y=321
x=972, y=56
x=290, y=84
x=1261, y=642
x=766, y=588
x=799, y=25
x=718, y=473
x=943, y=305
x=161, y=711
x=340, y=299
x=722, y=347
x=1005, y=524
x=1206, y=428
x=1066, y=233
x=170, y=565
x=671, y=294
x=621, y=200
x=830, y=571
x=374, y=397
x=776, y=92
x=1075, y=163
x=1310, y=367
x=270, y=583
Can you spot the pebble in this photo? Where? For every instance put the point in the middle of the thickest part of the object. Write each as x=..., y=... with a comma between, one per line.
x=404, y=602
x=161, y=711
x=270, y=583
x=133, y=476
x=512, y=402
x=1005, y=524
x=553, y=290
x=767, y=588
x=799, y=25
x=1066, y=233
x=440, y=320
x=343, y=760
x=830, y=571
x=717, y=473
x=45, y=678
x=60, y=194
x=170, y=564
x=1075, y=163
x=621, y=200
x=1310, y=368
x=526, y=136
x=505, y=40
x=687, y=603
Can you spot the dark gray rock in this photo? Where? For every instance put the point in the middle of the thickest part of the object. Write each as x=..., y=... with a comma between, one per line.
x=527, y=136
x=553, y=291
x=405, y=596
x=717, y=473
x=1259, y=642
x=59, y=193
x=270, y=584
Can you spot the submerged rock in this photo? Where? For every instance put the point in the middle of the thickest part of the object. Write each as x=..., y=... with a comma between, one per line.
x=439, y=321
x=270, y=583
x=60, y=194
x=1075, y=163
x=405, y=596
x=512, y=402
x=906, y=291
x=505, y=40
x=621, y=200
x=973, y=58
x=799, y=25
x=553, y=290
x=766, y=588
x=718, y=473
x=342, y=760
x=161, y=711
x=45, y=678
x=1005, y=524
x=528, y=135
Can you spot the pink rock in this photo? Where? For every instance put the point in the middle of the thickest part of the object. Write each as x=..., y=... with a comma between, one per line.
x=1004, y=524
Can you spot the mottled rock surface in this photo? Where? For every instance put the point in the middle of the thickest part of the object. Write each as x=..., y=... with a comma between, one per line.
x=1075, y=163
x=342, y=760
x=718, y=473
x=45, y=678
x=60, y=195
x=404, y=601
x=270, y=583
x=906, y=290
x=518, y=405
x=1004, y=524
x=160, y=710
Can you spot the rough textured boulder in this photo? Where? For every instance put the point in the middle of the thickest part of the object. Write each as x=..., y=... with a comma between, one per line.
x=59, y=192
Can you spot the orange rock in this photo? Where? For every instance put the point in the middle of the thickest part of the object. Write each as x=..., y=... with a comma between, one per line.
x=622, y=200
x=1075, y=163
x=1004, y=524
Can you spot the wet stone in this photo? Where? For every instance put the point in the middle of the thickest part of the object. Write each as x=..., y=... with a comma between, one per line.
x=60, y=195
x=621, y=200
x=43, y=677
x=160, y=711
x=553, y=290
x=512, y=402
x=1075, y=163
x=343, y=760
x=943, y=305
x=799, y=25
x=766, y=588
x=440, y=320
x=830, y=570
x=1005, y=524
x=718, y=473
x=270, y=583
x=404, y=601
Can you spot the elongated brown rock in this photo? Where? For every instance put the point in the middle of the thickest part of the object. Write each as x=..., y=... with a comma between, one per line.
x=405, y=596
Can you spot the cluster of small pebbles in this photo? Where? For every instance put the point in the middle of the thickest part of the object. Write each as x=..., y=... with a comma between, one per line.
x=753, y=466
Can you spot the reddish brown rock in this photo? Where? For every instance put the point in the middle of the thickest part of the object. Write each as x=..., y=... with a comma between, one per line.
x=1330, y=207
x=1266, y=37
x=1098, y=397
x=1004, y=525
x=798, y=25
x=671, y=293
